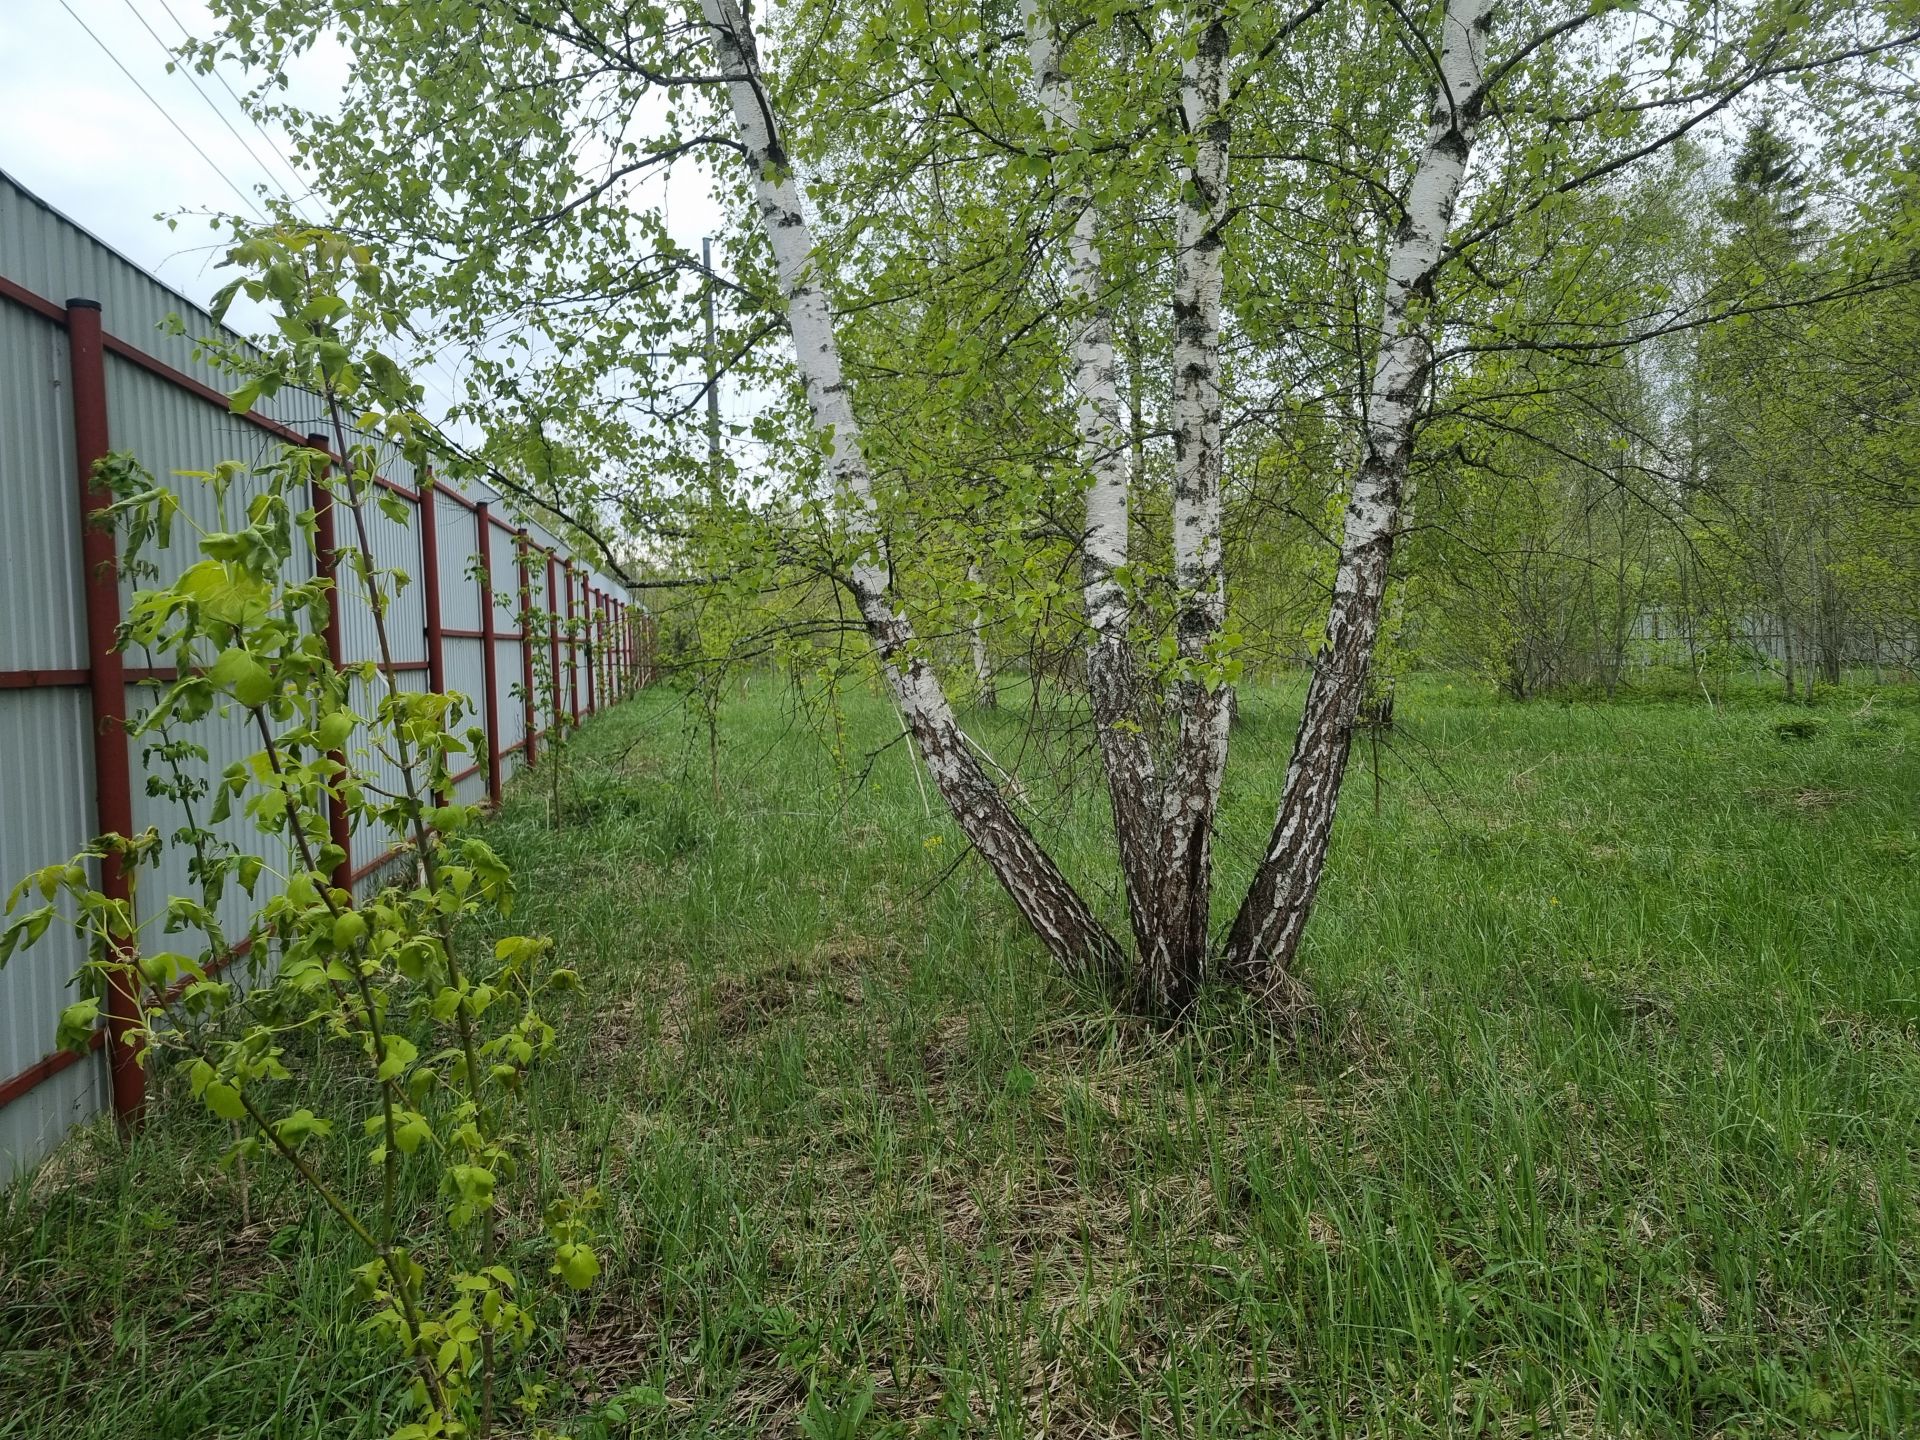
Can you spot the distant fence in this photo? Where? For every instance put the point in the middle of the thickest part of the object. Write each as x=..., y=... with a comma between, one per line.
x=72, y=387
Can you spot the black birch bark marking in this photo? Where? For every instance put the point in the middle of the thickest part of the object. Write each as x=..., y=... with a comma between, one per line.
x=1266, y=931
x=1064, y=922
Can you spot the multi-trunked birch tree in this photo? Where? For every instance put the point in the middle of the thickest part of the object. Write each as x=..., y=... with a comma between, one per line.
x=1296, y=210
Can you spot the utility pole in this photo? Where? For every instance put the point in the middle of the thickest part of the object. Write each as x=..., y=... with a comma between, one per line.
x=713, y=373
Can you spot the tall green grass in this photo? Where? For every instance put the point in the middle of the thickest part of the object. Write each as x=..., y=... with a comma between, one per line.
x=1612, y=1129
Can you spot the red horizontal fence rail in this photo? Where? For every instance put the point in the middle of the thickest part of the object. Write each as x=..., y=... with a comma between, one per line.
x=106, y=675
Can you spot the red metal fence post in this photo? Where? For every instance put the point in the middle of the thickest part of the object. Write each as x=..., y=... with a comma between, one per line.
x=588, y=600
x=489, y=658
x=553, y=640
x=573, y=647
x=107, y=686
x=430, y=582
x=326, y=565
x=530, y=721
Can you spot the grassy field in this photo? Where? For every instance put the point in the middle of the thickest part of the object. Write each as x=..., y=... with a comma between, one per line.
x=1614, y=1128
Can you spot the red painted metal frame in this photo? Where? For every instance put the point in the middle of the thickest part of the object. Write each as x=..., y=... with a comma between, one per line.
x=326, y=564
x=529, y=720
x=553, y=635
x=490, y=652
x=430, y=582
x=589, y=603
x=43, y=679
x=39, y=304
x=107, y=675
x=573, y=647
x=167, y=674
x=107, y=687
x=45, y=1068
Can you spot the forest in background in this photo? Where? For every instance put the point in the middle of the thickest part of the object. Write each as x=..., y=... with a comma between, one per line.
x=1735, y=495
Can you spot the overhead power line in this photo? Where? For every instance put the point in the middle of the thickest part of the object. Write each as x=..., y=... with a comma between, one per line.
x=165, y=114
x=273, y=146
x=218, y=113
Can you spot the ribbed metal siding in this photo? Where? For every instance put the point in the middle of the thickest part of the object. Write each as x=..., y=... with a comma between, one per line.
x=46, y=814
x=370, y=843
x=38, y=1121
x=505, y=570
x=169, y=432
x=48, y=254
x=459, y=592
x=465, y=676
x=513, y=718
x=40, y=594
x=396, y=547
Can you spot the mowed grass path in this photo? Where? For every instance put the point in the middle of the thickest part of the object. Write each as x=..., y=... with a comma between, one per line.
x=1613, y=1128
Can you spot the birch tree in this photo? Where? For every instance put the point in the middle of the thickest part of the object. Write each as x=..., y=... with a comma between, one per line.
x=1326, y=195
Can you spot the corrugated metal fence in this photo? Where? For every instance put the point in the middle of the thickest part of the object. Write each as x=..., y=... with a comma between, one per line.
x=81, y=376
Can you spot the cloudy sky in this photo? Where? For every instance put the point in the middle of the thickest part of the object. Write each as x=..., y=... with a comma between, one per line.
x=77, y=130
x=92, y=123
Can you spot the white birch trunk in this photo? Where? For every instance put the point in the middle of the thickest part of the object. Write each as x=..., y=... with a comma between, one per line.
x=1266, y=932
x=1104, y=443
x=1062, y=919
x=1192, y=791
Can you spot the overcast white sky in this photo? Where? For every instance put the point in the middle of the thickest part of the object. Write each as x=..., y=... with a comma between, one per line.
x=76, y=129
x=79, y=133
